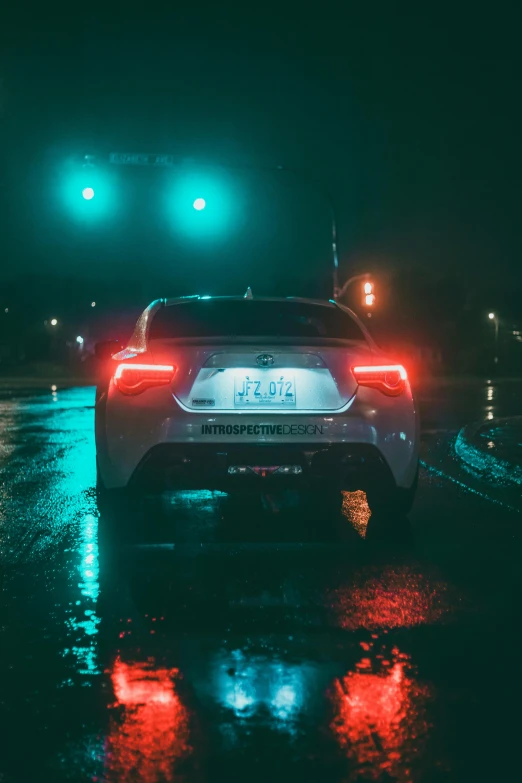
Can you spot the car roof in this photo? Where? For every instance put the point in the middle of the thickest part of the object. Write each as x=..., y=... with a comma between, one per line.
x=303, y=300
x=138, y=341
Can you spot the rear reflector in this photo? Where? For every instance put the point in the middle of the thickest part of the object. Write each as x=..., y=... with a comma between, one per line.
x=389, y=379
x=265, y=470
x=289, y=470
x=238, y=470
x=135, y=378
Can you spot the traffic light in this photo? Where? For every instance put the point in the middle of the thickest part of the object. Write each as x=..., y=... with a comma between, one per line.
x=203, y=205
x=369, y=296
x=88, y=192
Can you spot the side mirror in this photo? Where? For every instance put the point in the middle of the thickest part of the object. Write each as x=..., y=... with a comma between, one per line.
x=106, y=349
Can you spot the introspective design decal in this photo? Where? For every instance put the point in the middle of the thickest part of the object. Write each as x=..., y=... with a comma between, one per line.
x=262, y=429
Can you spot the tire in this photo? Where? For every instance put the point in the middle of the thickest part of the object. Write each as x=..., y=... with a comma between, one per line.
x=111, y=500
x=391, y=499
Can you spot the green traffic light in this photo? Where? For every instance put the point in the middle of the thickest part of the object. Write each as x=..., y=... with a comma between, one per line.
x=203, y=204
x=88, y=193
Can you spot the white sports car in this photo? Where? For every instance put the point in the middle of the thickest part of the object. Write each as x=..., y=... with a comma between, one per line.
x=246, y=393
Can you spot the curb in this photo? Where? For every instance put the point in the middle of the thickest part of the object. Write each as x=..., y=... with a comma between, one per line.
x=479, y=460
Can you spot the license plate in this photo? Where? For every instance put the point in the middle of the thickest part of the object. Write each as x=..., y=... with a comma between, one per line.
x=270, y=389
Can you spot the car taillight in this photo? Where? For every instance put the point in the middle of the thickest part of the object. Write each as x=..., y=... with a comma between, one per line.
x=389, y=379
x=135, y=378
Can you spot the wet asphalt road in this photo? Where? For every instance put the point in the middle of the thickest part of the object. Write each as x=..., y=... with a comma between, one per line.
x=229, y=641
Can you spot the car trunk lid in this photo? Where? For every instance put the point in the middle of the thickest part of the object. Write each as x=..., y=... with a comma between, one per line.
x=238, y=376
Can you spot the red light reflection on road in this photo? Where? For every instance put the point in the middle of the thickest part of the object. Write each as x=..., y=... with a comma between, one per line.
x=380, y=718
x=356, y=508
x=151, y=735
x=394, y=598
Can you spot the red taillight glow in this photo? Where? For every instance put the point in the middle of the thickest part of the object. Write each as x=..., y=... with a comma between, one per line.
x=135, y=378
x=148, y=735
x=389, y=379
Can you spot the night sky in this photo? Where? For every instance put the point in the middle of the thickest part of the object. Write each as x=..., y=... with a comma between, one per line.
x=410, y=119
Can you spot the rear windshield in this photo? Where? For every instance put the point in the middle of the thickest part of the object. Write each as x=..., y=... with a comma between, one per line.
x=251, y=318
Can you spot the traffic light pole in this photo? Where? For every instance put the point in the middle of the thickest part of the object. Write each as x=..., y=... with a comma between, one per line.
x=305, y=177
x=335, y=257
x=170, y=161
x=341, y=291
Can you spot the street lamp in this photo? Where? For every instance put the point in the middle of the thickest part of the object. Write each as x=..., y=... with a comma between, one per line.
x=54, y=322
x=88, y=193
x=493, y=317
x=199, y=204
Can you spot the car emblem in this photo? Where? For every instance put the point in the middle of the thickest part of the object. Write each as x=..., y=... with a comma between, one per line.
x=265, y=360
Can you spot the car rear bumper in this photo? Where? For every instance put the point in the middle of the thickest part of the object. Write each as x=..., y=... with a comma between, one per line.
x=139, y=437
x=196, y=466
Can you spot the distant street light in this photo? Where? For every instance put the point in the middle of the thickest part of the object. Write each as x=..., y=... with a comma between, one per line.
x=79, y=340
x=493, y=317
x=199, y=204
x=93, y=304
x=88, y=193
x=54, y=321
